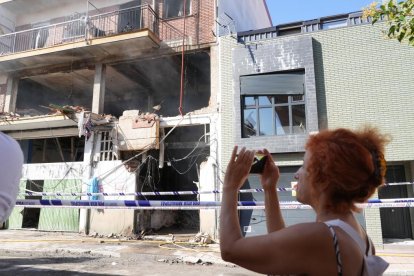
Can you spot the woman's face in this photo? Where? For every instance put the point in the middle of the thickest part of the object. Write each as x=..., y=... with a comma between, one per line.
x=303, y=188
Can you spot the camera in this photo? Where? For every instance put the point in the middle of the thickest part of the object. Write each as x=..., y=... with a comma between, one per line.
x=258, y=165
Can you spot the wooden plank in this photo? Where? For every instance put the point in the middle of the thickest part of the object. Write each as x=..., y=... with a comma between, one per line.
x=60, y=149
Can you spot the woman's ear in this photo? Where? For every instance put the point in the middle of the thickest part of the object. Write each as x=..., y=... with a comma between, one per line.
x=321, y=187
x=319, y=190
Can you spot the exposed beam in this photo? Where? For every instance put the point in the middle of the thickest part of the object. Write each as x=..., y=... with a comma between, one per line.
x=44, y=133
x=186, y=145
x=11, y=94
x=99, y=88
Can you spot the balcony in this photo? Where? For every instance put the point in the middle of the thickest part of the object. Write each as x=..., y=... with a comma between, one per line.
x=116, y=35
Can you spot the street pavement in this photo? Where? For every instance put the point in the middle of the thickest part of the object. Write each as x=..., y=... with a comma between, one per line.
x=400, y=255
x=29, y=252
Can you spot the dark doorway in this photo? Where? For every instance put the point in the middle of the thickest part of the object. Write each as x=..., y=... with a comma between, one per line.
x=395, y=222
x=31, y=215
x=186, y=148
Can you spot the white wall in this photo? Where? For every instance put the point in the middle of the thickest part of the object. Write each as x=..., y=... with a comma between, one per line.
x=46, y=10
x=57, y=171
x=7, y=21
x=207, y=179
x=3, y=78
x=106, y=221
x=246, y=14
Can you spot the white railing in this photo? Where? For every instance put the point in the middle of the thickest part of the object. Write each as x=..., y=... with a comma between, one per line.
x=88, y=27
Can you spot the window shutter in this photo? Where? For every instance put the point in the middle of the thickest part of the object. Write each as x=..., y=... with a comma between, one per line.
x=273, y=84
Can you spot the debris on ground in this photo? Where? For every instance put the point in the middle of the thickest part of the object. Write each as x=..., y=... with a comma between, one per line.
x=202, y=238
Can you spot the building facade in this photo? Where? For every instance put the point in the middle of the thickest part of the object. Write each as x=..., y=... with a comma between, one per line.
x=285, y=82
x=116, y=97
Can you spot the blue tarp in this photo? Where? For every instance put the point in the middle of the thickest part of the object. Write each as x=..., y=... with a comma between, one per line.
x=94, y=188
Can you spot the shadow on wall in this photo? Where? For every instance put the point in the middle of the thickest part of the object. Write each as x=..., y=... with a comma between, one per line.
x=320, y=84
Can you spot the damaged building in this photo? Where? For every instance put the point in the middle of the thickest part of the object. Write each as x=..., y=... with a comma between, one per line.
x=117, y=96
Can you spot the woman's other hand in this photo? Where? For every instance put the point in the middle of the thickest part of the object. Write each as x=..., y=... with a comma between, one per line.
x=270, y=174
x=238, y=168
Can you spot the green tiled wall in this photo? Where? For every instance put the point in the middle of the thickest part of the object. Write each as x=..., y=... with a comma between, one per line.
x=55, y=218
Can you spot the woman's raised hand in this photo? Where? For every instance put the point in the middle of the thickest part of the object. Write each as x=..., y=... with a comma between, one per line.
x=238, y=168
x=270, y=174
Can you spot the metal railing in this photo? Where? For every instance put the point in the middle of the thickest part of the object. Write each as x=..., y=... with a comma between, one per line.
x=168, y=33
x=86, y=28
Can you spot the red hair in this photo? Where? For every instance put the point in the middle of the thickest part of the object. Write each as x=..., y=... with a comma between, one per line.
x=347, y=165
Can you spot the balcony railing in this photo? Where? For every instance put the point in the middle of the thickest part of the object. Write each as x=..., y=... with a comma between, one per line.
x=85, y=28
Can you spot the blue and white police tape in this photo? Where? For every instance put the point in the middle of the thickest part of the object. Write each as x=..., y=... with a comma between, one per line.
x=32, y=193
x=189, y=205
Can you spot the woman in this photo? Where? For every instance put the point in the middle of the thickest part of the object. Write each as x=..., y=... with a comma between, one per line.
x=11, y=164
x=340, y=168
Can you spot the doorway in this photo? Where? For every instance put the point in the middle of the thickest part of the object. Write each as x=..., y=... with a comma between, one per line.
x=31, y=215
x=395, y=222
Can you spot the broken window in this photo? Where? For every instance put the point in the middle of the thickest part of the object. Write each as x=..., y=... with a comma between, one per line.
x=107, y=152
x=175, y=8
x=51, y=150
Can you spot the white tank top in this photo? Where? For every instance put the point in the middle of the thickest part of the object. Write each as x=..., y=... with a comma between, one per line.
x=373, y=265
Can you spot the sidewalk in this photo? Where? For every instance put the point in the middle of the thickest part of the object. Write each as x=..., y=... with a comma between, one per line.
x=400, y=255
x=158, y=249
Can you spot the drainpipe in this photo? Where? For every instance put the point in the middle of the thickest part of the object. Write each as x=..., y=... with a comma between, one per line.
x=180, y=109
x=89, y=162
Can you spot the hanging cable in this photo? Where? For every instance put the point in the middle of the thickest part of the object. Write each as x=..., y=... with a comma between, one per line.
x=180, y=109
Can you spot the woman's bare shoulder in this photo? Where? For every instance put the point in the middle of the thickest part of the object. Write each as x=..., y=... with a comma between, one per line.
x=279, y=252
x=304, y=238
x=307, y=229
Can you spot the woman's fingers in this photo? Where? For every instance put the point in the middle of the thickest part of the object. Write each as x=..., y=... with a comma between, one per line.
x=246, y=156
x=233, y=154
x=240, y=156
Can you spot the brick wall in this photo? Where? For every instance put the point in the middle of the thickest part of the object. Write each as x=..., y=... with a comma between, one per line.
x=362, y=77
x=225, y=100
x=199, y=24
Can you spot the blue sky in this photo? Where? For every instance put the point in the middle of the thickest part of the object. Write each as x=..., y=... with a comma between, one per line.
x=286, y=11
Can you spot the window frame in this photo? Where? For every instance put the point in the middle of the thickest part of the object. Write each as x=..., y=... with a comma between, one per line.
x=187, y=11
x=273, y=105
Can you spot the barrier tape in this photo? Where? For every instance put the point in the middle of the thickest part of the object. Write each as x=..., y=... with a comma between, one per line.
x=144, y=193
x=31, y=193
x=190, y=205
